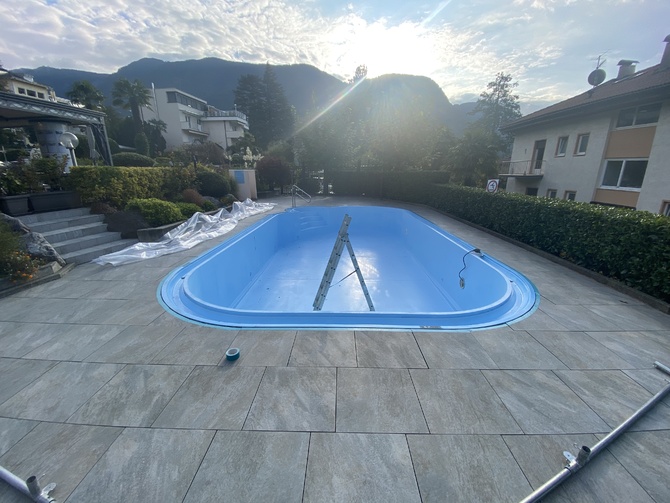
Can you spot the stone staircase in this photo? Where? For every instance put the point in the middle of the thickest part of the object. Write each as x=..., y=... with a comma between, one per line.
x=77, y=235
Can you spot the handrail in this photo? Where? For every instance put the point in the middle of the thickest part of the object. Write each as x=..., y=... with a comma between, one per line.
x=297, y=191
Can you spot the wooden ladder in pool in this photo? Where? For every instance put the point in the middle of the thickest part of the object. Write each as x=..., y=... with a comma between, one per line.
x=335, y=255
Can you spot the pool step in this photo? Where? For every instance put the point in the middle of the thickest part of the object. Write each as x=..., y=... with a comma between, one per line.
x=309, y=222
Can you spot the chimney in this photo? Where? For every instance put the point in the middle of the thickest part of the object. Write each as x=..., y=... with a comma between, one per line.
x=626, y=68
x=665, y=59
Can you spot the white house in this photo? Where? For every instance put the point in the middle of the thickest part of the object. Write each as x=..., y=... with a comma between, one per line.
x=609, y=145
x=190, y=119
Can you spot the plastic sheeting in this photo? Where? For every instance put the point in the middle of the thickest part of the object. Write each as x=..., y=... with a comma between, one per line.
x=195, y=230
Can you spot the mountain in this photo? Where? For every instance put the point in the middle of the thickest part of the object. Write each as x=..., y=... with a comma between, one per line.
x=215, y=80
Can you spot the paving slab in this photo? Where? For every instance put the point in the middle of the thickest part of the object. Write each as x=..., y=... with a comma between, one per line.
x=454, y=350
x=328, y=348
x=75, y=342
x=578, y=318
x=260, y=348
x=294, y=399
x=351, y=468
x=133, y=397
x=148, y=465
x=538, y=321
x=640, y=349
x=615, y=397
x=213, y=397
x=17, y=374
x=388, y=350
x=13, y=430
x=59, y=453
x=602, y=480
x=48, y=398
x=578, y=350
x=516, y=350
x=653, y=380
x=632, y=317
x=196, y=345
x=466, y=468
x=541, y=403
x=19, y=339
x=378, y=401
x=244, y=467
x=461, y=402
x=135, y=344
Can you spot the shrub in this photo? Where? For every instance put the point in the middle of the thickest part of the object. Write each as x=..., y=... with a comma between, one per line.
x=141, y=144
x=156, y=211
x=212, y=184
x=188, y=209
x=15, y=264
x=163, y=161
x=208, y=205
x=192, y=196
x=132, y=159
x=114, y=146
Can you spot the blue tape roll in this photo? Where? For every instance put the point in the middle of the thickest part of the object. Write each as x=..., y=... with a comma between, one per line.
x=232, y=354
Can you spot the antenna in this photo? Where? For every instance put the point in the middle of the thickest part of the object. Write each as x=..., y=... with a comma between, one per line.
x=598, y=76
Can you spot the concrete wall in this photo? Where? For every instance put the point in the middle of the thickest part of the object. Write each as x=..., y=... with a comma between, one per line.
x=656, y=186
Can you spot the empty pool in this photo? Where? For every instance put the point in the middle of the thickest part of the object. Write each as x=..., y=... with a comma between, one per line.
x=418, y=276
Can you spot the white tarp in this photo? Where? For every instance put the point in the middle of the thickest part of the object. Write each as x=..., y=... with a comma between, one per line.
x=195, y=230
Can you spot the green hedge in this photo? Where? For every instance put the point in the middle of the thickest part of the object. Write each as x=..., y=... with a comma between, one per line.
x=132, y=159
x=156, y=211
x=630, y=246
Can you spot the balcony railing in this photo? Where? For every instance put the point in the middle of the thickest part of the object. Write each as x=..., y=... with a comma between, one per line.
x=213, y=112
x=530, y=168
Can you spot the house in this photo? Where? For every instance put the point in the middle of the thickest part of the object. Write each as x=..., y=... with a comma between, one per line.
x=24, y=85
x=609, y=145
x=190, y=119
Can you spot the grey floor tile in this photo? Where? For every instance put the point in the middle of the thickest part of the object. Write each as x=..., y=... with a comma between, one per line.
x=579, y=350
x=467, y=468
x=614, y=397
x=578, y=318
x=632, y=317
x=13, y=430
x=145, y=465
x=640, y=349
x=461, y=401
x=196, y=346
x=59, y=453
x=19, y=339
x=603, y=480
x=517, y=350
x=243, y=467
x=378, y=401
x=17, y=374
x=541, y=403
x=64, y=288
x=119, y=290
x=76, y=342
x=328, y=348
x=56, y=394
x=539, y=320
x=351, y=468
x=135, y=344
x=130, y=312
x=646, y=456
x=388, y=349
x=294, y=399
x=133, y=397
x=453, y=351
x=653, y=380
x=213, y=397
x=264, y=348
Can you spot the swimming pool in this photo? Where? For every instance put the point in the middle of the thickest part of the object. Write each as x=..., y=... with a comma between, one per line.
x=418, y=276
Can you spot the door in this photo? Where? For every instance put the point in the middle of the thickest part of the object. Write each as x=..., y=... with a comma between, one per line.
x=538, y=156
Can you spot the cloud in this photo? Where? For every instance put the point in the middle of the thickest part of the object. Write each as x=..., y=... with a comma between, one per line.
x=549, y=46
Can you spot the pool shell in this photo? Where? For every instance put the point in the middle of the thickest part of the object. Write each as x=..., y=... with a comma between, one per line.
x=267, y=276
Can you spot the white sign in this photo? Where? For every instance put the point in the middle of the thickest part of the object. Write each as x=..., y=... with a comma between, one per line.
x=492, y=186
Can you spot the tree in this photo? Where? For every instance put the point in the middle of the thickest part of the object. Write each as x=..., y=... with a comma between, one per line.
x=132, y=96
x=498, y=105
x=474, y=159
x=154, y=130
x=273, y=171
x=4, y=78
x=360, y=74
x=84, y=93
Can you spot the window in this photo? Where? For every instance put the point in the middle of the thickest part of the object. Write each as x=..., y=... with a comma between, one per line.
x=531, y=191
x=624, y=174
x=582, y=144
x=40, y=95
x=637, y=116
x=22, y=90
x=570, y=195
x=32, y=93
x=561, y=146
x=551, y=193
x=665, y=210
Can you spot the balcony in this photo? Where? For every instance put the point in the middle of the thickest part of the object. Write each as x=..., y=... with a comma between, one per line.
x=527, y=170
x=193, y=128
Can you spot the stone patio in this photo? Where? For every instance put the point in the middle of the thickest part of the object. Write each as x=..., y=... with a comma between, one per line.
x=114, y=400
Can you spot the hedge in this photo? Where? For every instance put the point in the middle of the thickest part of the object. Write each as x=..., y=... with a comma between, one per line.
x=630, y=246
x=156, y=211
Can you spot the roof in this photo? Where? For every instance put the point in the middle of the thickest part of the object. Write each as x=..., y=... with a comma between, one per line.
x=647, y=84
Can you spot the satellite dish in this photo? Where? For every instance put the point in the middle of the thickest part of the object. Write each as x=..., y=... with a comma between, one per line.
x=597, y=77
x=69, y=140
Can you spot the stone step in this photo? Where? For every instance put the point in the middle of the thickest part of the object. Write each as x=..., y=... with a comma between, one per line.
x=59, y=235
x=85, y=242
x=54, y=215
x=88, y=254
x=64, y=223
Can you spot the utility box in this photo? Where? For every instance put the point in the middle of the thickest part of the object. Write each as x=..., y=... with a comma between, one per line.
x=246, y=182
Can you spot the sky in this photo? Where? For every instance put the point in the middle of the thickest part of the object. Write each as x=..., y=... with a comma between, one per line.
x=548, y=46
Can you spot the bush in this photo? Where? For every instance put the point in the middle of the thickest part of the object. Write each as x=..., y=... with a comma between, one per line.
x=156, y=211
x=212, y=184
x=132, y=159
x=188, y=209
x=192, y=196
x=15, y=264
x=163, y=161
x=208, y=205
x=141, y=145
x=114, y=146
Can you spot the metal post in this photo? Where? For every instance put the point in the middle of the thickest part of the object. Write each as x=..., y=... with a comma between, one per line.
x=30, y=488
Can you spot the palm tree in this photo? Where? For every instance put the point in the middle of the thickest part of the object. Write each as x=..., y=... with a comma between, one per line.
x=132, y=96
x=84, y=93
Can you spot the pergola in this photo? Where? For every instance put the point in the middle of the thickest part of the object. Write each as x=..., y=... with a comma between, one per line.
x=21, y=111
